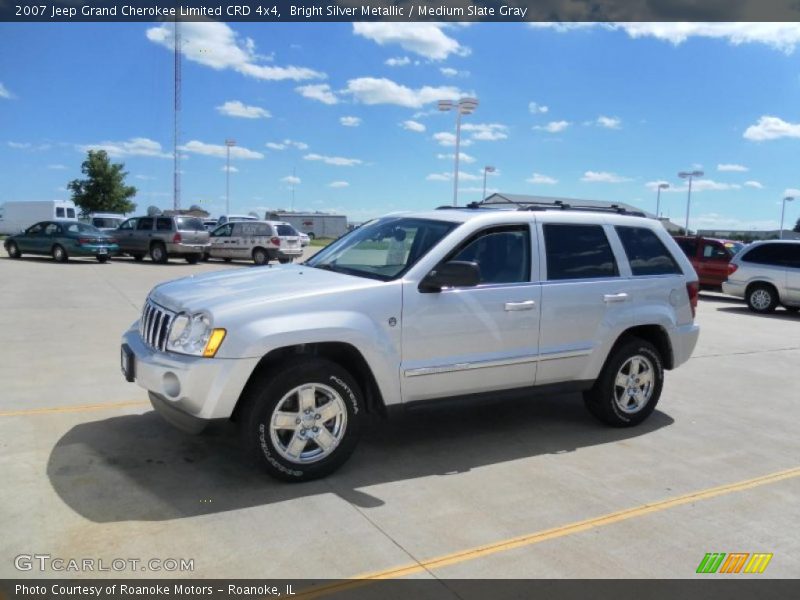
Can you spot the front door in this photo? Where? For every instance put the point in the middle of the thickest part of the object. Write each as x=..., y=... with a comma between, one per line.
x=221, y=242
x=33, y=239
x=124, y=235
x=715, y=258
x=476, y=339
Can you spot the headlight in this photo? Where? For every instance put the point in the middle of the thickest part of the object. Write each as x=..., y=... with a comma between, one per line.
x=193, y=335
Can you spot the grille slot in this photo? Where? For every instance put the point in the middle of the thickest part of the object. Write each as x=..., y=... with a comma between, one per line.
x=154, y=326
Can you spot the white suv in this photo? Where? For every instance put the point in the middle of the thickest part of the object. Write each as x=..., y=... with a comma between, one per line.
x=766, y=274
x=413, y=308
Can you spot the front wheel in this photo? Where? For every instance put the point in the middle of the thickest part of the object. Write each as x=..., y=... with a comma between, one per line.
x=762, y=298
x=302, y=421
x=59, y=254
x=13, y=250
x=102, y=258
x=193, y=259
x=158, y=254
x=628, y=389
x=138, y=257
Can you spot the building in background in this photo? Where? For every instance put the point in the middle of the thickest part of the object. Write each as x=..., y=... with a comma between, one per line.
x=749, y=235
x=313, y=224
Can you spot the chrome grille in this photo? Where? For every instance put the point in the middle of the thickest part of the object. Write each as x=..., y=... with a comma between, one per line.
x=154, y=325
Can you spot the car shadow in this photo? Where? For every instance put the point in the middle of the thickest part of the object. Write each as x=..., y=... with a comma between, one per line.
x=780, y=313
x=139, y=468
x=41, y=258
x=718, y=297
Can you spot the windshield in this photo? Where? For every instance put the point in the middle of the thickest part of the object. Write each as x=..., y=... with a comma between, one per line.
x=190, y=224
x=734, y=247
x=82, y=228
x=382, y=249
x=284, y=230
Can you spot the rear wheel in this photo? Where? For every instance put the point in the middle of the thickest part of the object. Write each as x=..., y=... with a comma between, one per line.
x=59, y=254
x=138, y=257
x=227, y=259
x=13, y=250
x=762, y=298
x=260, y=256
x=302, y=420
x=628, y=389
x=102, y=259
x=192, y=259
x=158, y=253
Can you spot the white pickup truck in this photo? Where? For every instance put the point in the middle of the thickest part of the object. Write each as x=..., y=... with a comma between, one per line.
x=413, y=308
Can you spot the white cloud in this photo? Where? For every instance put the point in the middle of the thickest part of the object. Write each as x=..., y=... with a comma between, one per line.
x=754, y=184
x=337, y=161
x=275, y=146
x=772, y=128
x=57, y=167
x=338, y=184
x=603, y=177
x=398, y=62
x=235, y=108
x=487, y=132
x=537, y=109
x=219, y=150
x=216, y=45
x=425, y=39
x=286, y=144
x=445, y=138
x=448, y=71
x=439, y=177
x=653, y=185
x=413, y=126
x=608, y=122
x=780, y=36
x=698, y=185
x=462, y=176
x=20, y=145
x=138, y=146
x=4, y=93
x=553, y=126
x=462, y=157
x=350, y=121
x=291, y=180
x=321, y=92
x=372, y=90
x=732, y=167
x=538, y=178
x=232, y=169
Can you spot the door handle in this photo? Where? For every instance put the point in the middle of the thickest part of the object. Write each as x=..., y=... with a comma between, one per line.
x=525, y=305
x=609, y=298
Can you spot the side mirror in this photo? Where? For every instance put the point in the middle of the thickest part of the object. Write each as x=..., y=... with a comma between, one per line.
x=456, y=273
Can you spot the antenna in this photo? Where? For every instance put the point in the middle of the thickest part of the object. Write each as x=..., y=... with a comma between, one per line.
x=176, y=182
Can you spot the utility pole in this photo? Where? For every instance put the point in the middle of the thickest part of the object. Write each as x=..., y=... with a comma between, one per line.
x=229, y=143
x=176, y=175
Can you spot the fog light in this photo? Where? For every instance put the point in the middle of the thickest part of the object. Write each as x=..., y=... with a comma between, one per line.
x=172, y=385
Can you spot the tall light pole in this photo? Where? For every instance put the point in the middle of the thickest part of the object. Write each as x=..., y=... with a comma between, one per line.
x=783, y=211
x=690, y=175
x=486, y=169
x=465, y=106
x=229, y=143
x=661, y=186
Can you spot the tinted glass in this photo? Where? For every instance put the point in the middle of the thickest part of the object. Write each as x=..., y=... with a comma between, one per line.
x=578, y=252
x=646, y=253
x=190, y=224
x=689, y=247
x=145, y=223
x=106, y=222
x=129, y=224
x=223, y=231
x=163, y=224
x=52, y=229
x=503, y=255
x=71, y=213
x=60, y=213
x=286, y=230
x=36, y=228
x=82, y=228
x=779, y=255
x=253, y=229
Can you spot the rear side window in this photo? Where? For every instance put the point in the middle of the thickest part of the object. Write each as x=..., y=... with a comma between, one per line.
x=646, y=253
x=254, y=229
x=190, y=224
x=60, y=213
x=715, y=251
x=145, y=224
x=689, y=247
x=578, y=252
x=163, y=224
x=286, y=230
x=778, y=255
x=70, y=213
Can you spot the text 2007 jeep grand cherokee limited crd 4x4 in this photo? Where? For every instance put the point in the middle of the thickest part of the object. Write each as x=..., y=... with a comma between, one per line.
x=415, y=307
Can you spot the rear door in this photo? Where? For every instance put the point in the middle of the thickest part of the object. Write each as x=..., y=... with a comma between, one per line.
x=792, y=252
x=290, y=240
x=714, y=259
x=220, y=242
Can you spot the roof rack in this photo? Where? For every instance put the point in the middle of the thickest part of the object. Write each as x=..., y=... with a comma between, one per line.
x=471, y=206
x=557, y=205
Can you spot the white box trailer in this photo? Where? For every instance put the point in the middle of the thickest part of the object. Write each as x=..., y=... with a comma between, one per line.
x=18, y=216
x=313, y=224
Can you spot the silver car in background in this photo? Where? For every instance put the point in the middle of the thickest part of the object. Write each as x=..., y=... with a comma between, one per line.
x=766, y=274
x=259, y=241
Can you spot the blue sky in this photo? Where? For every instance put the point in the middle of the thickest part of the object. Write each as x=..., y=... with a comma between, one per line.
x=348, y=110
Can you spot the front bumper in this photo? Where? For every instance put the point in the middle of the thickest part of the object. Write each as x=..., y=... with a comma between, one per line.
x=200, y=389
x=290, y=252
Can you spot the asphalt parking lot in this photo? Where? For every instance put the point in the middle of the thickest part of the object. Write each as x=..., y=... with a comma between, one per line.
x=517, y=490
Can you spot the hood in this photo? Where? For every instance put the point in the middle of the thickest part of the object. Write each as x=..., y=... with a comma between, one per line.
x=232, y=289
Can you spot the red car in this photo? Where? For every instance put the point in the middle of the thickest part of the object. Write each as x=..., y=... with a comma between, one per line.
x=710, y=258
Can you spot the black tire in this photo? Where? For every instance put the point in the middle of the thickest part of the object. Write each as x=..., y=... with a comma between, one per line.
x=762, y=298
x=59, y=253
x=227, y=259
x=606, y=398
x=192, y=259
x=138, y=257
x=311, y=236
x=102, y=259
x=792, y=309
x=158, y=253
x=274, y=387
x=206, y=256
x=285, y=261
x=13, y=250
x=260, y=256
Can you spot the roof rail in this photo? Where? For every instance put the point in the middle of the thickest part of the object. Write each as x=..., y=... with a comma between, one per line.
x=561, y=205
x=471, y=206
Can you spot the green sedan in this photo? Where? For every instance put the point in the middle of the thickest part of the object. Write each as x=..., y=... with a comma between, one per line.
x=62, y=240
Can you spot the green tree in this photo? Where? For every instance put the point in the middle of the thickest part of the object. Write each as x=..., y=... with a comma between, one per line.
x=104, y=188
x=797, y=226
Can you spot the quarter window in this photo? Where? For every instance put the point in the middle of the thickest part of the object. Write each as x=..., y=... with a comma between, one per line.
x=503, y=255
x=646, y=253
x=779, y=255
x=163, y=224
x=51, y=229
x=578, y=252
x=128, y=225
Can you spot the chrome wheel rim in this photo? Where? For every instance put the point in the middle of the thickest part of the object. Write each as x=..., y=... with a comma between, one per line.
x=59, y=252
x=260, y=257
x=634, y=384
x=157, y=253
x=308, y=423
x=760, y=299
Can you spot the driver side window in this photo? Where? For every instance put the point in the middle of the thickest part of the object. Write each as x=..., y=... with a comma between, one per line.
x=222, y=231
x=128, y=225
x=503, y=254
x=35, y=229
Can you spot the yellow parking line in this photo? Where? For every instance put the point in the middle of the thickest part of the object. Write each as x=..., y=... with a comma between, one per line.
x=69, y=409
x=549, y=534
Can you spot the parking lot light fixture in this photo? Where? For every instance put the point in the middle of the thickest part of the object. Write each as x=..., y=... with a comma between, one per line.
x=661, y=186
x=690, y=175
x=783, y=212
x=465, y=106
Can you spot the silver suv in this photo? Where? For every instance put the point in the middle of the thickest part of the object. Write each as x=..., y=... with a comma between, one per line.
x=414, y=308
x=163, y=237
x=766, y=274
x=259, y=241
